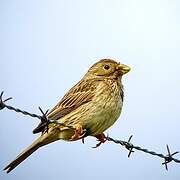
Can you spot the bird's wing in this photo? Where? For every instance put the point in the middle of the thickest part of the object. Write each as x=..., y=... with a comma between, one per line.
x=83, y=92
x=80, y=94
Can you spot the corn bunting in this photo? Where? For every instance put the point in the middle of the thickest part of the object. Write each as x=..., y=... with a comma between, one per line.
x=90, y=107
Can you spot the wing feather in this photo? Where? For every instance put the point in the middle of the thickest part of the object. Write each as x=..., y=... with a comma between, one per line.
x=80, y=94
x=83, y=92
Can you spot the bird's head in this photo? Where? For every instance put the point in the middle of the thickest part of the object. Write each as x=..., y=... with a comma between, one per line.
x=108, y=68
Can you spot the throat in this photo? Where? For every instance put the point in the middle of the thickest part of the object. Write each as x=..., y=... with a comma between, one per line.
x=115, y=84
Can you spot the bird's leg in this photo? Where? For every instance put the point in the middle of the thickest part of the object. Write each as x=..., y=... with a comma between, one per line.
x=101, y=138
x=79, y=132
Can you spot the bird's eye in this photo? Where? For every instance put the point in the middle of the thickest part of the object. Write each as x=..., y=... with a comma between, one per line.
x=106, y=67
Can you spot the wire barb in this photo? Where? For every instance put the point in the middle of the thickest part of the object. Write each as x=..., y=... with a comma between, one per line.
x=2, y=102
x=129, y=146
x=169, y=157
x=44, y=119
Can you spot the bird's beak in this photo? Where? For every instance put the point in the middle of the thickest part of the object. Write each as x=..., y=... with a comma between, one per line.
x=123, y=68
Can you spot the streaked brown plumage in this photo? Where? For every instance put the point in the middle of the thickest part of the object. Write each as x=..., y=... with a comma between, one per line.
x=91, y=107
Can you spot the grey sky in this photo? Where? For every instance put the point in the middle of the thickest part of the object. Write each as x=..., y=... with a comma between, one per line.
x=47, y=46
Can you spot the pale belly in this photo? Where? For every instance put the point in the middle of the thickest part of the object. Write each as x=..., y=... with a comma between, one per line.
x=103, y=116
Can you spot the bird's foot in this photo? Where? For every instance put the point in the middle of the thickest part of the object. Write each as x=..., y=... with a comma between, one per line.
x=79, y=132
x=101, y=138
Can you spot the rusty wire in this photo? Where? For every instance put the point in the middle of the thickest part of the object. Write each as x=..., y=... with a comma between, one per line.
x=127, y=144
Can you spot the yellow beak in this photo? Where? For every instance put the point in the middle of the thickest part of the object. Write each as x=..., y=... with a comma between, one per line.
x=123, y=68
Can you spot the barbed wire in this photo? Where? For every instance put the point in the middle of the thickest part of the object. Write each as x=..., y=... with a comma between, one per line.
x=43, y=117
x=127, y=144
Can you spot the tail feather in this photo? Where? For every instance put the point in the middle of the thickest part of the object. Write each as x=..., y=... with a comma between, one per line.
x=44, y=139
x=22, y=156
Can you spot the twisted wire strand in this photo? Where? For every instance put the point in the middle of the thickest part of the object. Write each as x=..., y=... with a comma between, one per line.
x=127, y=144
x=36, y=116
x=42, y=117
x=22, y=111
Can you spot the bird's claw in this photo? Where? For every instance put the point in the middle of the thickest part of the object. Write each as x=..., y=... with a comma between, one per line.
x=83, y=140
x=79, y=133
x=101, y=138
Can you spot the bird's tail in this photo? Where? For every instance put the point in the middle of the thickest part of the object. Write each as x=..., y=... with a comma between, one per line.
x=23, y=155
x=41, y=141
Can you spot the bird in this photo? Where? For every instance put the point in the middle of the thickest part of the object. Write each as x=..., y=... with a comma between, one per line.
x=88, y=109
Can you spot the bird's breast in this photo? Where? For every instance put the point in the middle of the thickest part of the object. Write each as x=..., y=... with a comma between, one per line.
x=105, y=108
